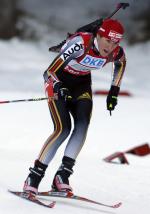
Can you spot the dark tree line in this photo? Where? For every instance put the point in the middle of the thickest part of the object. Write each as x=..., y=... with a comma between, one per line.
x=144, y=33
x=8, y=18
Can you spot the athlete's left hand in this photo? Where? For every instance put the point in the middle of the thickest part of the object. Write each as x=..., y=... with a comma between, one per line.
x=62, y=91
x=112, y=98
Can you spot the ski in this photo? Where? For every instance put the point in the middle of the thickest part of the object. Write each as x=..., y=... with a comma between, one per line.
x=70, y=195
x=31, y=197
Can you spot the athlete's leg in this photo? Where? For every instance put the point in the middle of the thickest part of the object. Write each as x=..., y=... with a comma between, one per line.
x=81, y=114
x=81, y=111
x=62, y=126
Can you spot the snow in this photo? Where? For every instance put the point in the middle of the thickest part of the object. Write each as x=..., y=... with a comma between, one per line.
x=25, y=126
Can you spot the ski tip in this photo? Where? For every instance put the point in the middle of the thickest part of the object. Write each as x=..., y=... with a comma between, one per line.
x=11, y=191
x=117, y=205
x=52, y=204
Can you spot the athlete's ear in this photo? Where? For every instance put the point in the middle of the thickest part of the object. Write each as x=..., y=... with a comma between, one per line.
x=98, y=36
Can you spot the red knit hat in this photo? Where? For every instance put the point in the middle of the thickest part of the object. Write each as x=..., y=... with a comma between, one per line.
x=111, y=29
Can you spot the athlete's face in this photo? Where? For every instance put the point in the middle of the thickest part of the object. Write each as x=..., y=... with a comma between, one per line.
x=105, y=46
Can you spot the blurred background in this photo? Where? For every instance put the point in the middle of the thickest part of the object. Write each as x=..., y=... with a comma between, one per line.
x=48, y=19
x=29, y=27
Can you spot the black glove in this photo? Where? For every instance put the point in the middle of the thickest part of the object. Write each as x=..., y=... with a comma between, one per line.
x=62, y=91
x=112, y=98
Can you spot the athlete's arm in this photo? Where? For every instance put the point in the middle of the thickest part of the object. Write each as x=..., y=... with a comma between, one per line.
x=119, y=67
x=73, y=49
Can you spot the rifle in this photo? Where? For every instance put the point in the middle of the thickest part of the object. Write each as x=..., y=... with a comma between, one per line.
x=91, y=27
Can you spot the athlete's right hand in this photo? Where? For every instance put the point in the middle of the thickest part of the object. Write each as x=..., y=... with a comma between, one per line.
x=49, y=88
x=62, y=91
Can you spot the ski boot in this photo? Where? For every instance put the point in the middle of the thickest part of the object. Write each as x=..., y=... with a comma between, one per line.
x=61, y=178
x=33, y=180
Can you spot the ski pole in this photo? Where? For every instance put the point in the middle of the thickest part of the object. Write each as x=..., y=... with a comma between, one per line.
x=27, y=100
x=110, y=112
